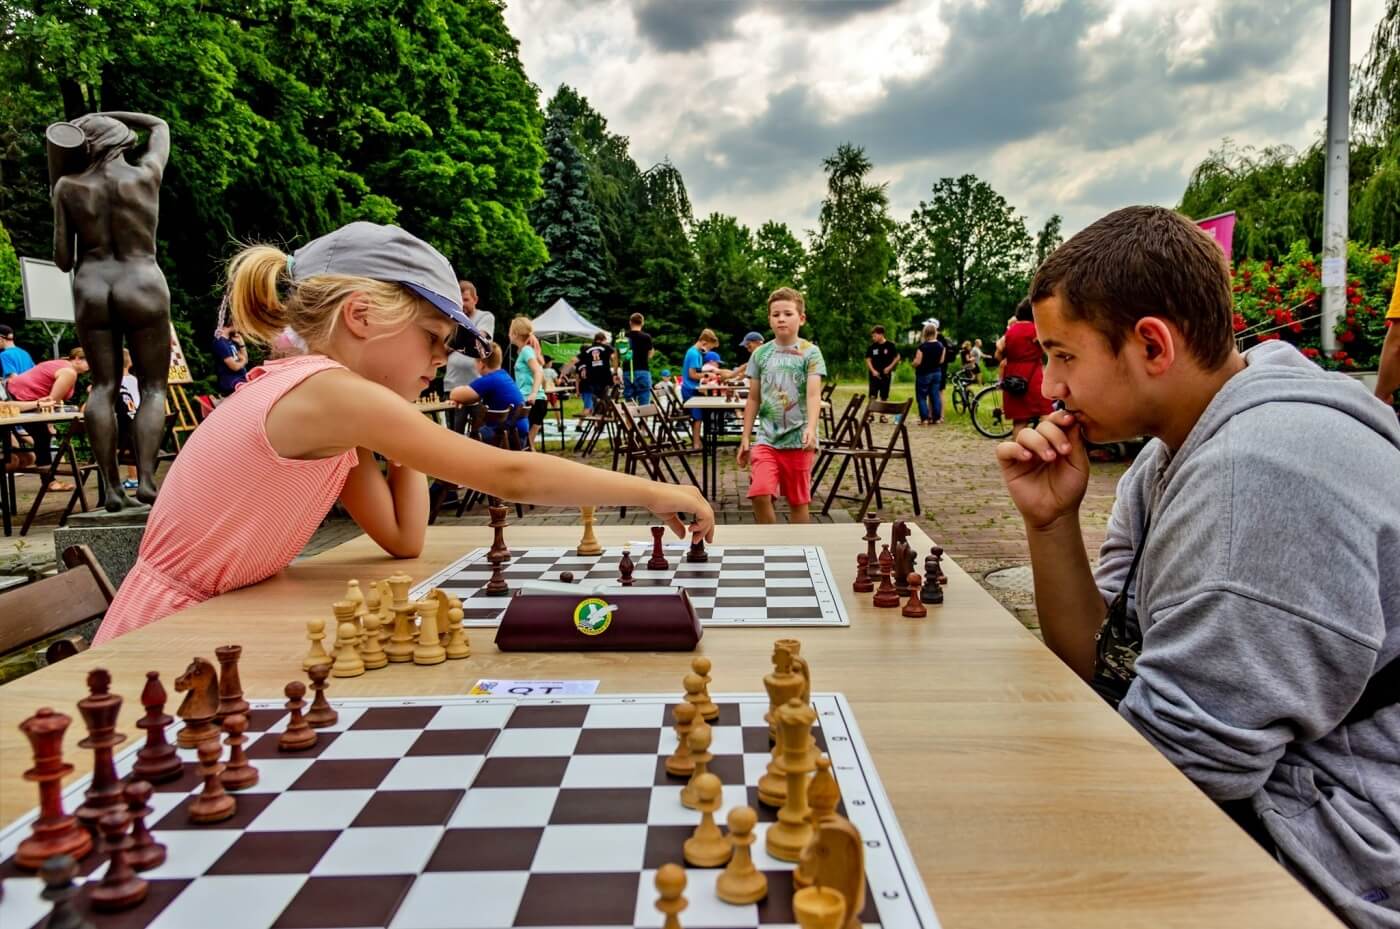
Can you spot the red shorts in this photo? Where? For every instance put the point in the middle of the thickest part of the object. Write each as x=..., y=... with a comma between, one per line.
x=785, y=472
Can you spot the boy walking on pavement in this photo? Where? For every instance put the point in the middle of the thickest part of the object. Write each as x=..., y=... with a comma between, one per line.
x=637, y=386
x=785, y=389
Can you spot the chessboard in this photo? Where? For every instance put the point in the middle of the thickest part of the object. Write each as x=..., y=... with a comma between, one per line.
x=472, y=812
x=776, y=585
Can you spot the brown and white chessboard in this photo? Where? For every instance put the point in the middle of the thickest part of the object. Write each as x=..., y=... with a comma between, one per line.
x=481, y=813
x=774, y=585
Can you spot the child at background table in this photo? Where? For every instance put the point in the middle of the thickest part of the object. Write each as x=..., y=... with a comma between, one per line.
x=495, y=390
x=377, y=308
x=691, y=376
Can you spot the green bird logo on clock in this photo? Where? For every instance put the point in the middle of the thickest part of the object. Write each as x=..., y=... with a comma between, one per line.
x=593, y=616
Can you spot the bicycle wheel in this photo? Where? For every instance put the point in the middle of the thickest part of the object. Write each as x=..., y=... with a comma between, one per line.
x=959, y=398
x=988, y=413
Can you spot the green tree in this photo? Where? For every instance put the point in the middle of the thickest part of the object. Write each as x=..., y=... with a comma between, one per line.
x=851, y=258
x=565, y=220
x=288, y=120
x=780, y=256
x=1049, y=238
x=10, y=289
x=661, y=285
x=963, y=246
x=728, y=280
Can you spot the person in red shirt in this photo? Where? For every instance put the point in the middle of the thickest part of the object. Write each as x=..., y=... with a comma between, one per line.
x=49, y=380
x=1023, y=359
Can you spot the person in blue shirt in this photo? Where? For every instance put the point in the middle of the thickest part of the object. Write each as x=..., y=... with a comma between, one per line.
x=690, y=377
x=232, y=357
x=13, y=359
x=495, y=389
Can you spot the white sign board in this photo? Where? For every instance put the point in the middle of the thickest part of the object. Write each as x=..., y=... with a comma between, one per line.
x=48, y=292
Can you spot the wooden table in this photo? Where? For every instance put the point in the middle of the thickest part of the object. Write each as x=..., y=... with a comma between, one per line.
x=7, y=426
x=1027, y=801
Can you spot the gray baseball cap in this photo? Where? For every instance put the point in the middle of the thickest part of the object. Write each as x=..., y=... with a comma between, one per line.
x=751, y=337
x=387, y=253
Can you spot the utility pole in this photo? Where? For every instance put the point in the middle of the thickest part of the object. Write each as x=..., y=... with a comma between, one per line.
x=1336, y=178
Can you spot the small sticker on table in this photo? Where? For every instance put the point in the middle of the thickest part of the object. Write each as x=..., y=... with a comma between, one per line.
x=487, y=687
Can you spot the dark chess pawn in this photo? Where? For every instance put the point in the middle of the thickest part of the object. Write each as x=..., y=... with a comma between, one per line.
x=937, y=552
x=566, y=577
x=886, y=595
x=157, y=761
x=238, y=773
x=931, y=591
x=57, y=873
x=321, y=713
x=697, y=552
x=146, y=853
x=214, y=804
x=625, y=569
x=120, y=888
x=863, y=584
x=299, y=735
x=914, y=607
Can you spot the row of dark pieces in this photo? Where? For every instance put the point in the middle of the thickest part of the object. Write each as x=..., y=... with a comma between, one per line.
x=115, y=811
x=894, y=569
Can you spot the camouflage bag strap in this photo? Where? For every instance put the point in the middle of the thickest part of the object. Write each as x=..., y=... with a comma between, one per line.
x=1119, y=640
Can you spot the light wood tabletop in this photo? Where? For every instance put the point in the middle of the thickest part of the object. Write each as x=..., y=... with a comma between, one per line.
x=1026, y=801
x=32, y=419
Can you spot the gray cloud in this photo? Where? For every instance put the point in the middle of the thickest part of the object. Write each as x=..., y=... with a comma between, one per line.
x=688, y=25
x=1073, y=110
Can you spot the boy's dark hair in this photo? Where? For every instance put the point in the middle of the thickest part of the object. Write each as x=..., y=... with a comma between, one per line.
x=877, y=330
x=636, y=319
x=1144, y=261
x=1023, y=310
x=6, y=332
x=599, y=337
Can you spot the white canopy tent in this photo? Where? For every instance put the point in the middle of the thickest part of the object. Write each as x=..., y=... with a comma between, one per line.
x=562, y=321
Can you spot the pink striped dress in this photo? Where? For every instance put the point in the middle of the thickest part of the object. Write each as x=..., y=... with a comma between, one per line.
x=231, y=512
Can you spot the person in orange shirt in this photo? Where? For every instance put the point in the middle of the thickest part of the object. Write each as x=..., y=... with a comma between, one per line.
x=1388, y=381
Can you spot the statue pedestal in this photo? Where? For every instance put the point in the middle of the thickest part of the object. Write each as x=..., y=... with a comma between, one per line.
x=113, y=537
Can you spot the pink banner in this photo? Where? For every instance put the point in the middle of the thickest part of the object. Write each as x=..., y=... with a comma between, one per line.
x=1222, y=228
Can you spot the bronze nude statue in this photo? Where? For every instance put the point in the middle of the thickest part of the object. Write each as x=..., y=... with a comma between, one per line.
x=105, y=231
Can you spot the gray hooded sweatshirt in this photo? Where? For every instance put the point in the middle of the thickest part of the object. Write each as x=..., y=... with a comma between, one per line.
x=1268, y=595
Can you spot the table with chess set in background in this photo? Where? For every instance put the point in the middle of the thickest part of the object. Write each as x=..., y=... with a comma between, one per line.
x=942, y=769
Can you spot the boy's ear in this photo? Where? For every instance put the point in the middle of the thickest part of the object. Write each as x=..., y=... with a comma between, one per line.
x=1156, y=340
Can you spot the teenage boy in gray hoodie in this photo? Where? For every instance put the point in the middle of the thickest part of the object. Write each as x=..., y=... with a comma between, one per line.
x=1246, y=605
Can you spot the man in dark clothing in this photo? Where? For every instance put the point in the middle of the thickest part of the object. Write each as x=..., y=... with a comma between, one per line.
x=598, y=364
x=880, y=361
x=637, y=383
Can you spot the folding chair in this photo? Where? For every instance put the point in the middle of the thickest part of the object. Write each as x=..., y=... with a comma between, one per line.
x=871, y=460
x=56, y=605
x=827, y=418
x=63, y=455
x=843, y=435
x=654, y=448
x=505, y=434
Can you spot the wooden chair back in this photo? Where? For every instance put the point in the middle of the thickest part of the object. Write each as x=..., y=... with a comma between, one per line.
x=56, y=605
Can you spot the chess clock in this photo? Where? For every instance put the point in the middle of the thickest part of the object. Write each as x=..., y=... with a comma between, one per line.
x=554, y=617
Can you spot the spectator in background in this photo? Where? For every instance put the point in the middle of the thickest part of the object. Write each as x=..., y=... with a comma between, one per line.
x=49, y=380
x=928, y=377
x=13, y=359
x=131, y=401
x=529, y=373
x=751, y=343
x=881, y=358
x=461, y=367
x=495, y=390
x=977, y=356
x=637, y=385
x=691, y=372
x=232, y=357
x=1023, y=367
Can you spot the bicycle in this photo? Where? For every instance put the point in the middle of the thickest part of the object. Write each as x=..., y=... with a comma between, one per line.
x=989, y=413
x=959, y=386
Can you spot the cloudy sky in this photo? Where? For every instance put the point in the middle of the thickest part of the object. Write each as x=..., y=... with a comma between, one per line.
x=1066, y=106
